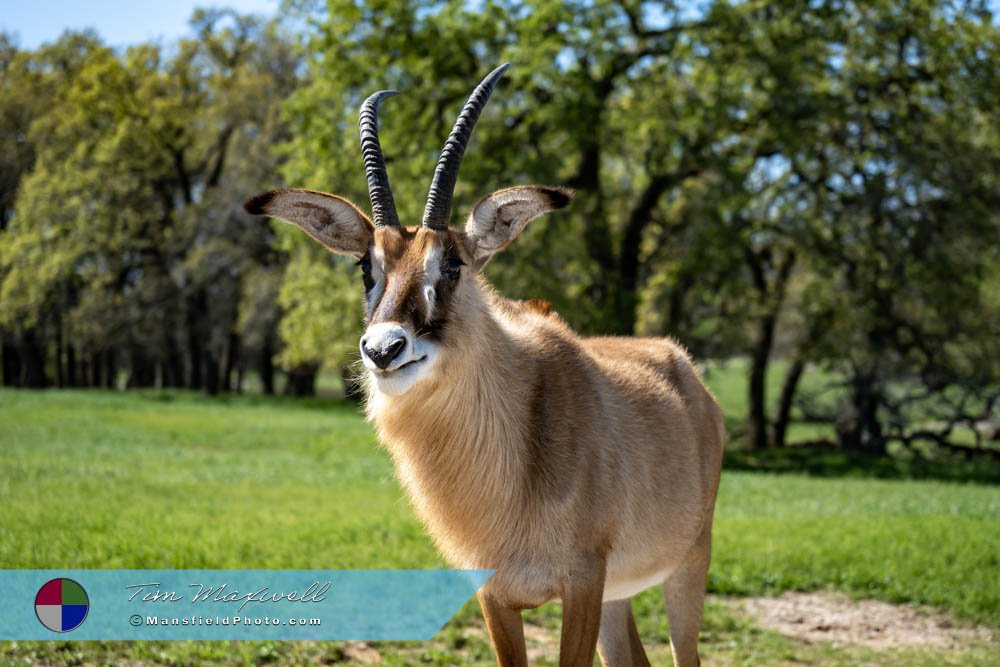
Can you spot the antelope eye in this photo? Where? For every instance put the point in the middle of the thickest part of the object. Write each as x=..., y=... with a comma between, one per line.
x=451, y=268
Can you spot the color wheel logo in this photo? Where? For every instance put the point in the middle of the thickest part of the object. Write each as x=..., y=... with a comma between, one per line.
x=61, y=605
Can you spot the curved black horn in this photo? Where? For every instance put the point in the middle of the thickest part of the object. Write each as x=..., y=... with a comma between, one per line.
x=438, y=210
x=383, y=205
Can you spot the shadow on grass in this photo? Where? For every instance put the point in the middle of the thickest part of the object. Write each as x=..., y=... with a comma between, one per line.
x=825, y=461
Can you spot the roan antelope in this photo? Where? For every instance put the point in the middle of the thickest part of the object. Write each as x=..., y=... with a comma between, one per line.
x=583, y=469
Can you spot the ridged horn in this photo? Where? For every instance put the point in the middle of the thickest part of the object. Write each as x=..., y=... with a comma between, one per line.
x=437, y=213
x=379, y=191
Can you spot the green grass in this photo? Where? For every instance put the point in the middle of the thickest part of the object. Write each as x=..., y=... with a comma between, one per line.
x=287, y=484
x=177, y=480
x=901, y=541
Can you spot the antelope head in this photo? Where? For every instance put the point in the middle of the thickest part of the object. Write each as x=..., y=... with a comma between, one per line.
x=420, y=282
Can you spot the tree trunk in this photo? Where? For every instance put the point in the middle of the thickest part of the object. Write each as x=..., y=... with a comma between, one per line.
x=858, y=429
x=141, y=371
x=785, y=401
x=301, y=381
x=816, y=329
x=11, y=364
x=212, y=374
x=32, y=362
x=60, y=372
x=90, y=373
x=241, y=369
x=231, y=358
x=266, y=367
x=757, y=385
x=770, y=295
x=110, y=370
x=83, y=371
x=604, y=288
x=173, y=366
x=627, y=294
x=71, y=366
x=195, y=315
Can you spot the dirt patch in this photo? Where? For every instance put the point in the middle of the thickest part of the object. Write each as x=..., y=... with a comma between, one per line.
x=835, y=618
x=361, y=653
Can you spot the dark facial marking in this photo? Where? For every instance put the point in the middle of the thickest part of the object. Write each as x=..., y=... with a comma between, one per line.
x=451, y=267
x=366, y=272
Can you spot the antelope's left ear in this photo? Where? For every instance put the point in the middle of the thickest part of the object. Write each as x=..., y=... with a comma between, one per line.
x=499, y=218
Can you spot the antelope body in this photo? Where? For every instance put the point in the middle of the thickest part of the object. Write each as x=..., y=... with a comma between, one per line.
x=583, y=469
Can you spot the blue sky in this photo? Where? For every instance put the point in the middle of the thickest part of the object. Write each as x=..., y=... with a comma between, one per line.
x=118, y=22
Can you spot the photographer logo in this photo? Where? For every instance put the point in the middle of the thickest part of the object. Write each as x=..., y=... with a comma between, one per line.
x=61, y=605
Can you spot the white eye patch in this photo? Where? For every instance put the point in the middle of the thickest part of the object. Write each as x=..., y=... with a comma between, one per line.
x=378, y=277
x=429, y=297
x=432, y=273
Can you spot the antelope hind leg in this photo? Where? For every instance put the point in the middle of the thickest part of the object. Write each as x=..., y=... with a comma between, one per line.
x=684, y=593
x=582, y=597
x=506, y=631
x=618, y=643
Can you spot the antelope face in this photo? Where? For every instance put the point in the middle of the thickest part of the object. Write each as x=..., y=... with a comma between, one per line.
x=412, y=275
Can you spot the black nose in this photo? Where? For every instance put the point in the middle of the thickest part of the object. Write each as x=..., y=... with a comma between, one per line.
x=383, y=356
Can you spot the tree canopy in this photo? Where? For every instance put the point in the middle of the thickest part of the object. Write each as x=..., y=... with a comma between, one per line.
x=814, y=182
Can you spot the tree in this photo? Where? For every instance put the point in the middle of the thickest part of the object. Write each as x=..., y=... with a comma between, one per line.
x=128, y=247
x=706, y=149
x=809, y=181
x=907, y=199
x=612, y=95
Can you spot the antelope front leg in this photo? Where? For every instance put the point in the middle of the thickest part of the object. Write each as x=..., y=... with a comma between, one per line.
x=506, y=631
x=583, y=594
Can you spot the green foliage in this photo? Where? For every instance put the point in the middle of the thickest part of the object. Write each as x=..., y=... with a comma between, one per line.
x=127, y=236
x=749, y=175
x=801, y=181
x=322, y=311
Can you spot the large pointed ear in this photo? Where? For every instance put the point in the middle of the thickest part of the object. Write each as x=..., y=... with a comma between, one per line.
x=499, y=218
x=335, y=222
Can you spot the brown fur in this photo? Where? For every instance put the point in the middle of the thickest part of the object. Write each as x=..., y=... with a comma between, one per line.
x=547, y=456
x=575, y=467
x=540, y=306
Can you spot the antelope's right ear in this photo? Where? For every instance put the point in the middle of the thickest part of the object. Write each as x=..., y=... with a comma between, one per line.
x=335, y=223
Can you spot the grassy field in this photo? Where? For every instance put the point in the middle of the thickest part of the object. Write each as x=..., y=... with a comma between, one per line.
x=176, y=480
